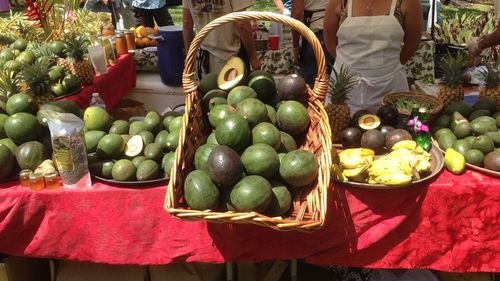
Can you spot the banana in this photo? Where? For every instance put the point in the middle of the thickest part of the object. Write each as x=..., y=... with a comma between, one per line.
x=423, y=166
x=363, y=177
x=337, y=172
x=408, y=144
x=354, y=158
x=350, y=173
x=394, y=179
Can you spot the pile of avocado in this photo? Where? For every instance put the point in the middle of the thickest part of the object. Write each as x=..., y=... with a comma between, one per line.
x=376, y=132
x=251, y=162
x=24, y=134
x=473, y=131
x=135, y=151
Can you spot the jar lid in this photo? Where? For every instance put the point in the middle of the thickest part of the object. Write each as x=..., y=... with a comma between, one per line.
x=25, y=172
x=52, y=175
x=127, y=31
x=35, y=175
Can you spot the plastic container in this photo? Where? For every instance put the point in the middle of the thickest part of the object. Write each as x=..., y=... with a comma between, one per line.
x=98, y=58
x=170, y=46
x=97, y=101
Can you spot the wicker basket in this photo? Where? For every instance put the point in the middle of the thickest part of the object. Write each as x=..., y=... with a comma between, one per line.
x=309, y=203
x=435, y=105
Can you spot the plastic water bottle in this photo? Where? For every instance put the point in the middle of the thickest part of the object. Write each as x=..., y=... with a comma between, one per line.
x=97, y=101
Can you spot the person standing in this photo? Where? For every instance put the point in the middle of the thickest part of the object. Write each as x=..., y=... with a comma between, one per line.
x=147, y=12
x=373, y=39
x=312, y=14
x=233, y=39
x=122, y=10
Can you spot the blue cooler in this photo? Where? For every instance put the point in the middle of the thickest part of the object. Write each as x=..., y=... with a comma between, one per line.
x=170, y=47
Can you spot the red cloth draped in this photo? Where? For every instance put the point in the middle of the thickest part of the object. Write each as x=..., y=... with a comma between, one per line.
x=452, y=224
x=112, y=86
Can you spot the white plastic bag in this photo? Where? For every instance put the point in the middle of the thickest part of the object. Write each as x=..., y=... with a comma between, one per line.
x=69, y=149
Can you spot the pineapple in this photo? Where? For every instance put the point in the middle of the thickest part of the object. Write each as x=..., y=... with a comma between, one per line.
x=338, y=111
x=36, y=77
x=492, y=87
x=451, y=90
x=9, y=83
x=44, y=52
x=75, y=63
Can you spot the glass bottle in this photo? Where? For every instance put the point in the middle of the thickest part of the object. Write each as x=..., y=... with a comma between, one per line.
x=96, y=100
x=413, y=120
x=24, y=177
x=121, y=44
x=52, y=181
x=423, y=138
x=107, y=30
x=36, y=181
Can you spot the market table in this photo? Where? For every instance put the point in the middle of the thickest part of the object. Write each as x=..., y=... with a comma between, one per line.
x=452, y=224
x=112, y=86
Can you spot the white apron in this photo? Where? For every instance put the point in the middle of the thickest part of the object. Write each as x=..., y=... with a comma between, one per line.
x=370, y=47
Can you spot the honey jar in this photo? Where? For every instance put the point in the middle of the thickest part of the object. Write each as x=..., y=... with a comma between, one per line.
x=130, y=37
x=36, y=181
x=24, y=177
x=121, y=44
x=52, y=181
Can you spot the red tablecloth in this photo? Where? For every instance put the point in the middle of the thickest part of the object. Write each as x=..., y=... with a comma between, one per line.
x=112, y=86
x=452, y=224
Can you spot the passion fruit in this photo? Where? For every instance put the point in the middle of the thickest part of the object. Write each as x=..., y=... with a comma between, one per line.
x=351, y=137
x=388, y=114
x=373, y=139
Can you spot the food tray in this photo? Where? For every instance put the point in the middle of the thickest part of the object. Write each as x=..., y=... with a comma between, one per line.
x=135, y=184
x=473, y=167
x=309, y=203
x=437, y=164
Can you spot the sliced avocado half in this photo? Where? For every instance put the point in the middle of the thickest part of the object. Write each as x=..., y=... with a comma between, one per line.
x=232, y=74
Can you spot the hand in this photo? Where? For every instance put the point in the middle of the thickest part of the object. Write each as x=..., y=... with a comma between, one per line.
x=256, y=64
x=296, y=56
x=473, y=47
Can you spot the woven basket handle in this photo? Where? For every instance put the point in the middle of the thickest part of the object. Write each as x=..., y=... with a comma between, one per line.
x=321, y=82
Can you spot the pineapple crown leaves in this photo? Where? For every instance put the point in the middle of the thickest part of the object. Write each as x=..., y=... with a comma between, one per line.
x=9, y=83
x=76, y=46
x=452, y=68
x=36, y=76
x=491, y=76
x=42, y=50
x=341, y=84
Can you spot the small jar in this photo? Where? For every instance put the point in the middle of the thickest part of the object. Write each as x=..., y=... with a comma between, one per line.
x=52, y=181
x=130, y=37
x=107, y=30
x=121, y=44
x=36, y=181
x=24, y=177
